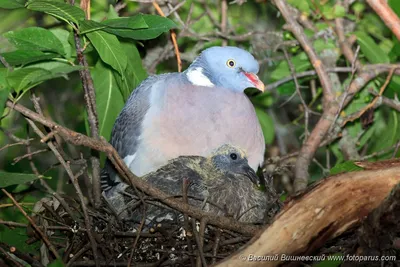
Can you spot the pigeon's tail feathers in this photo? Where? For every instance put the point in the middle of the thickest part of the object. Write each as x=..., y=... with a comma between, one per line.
x=106, y=182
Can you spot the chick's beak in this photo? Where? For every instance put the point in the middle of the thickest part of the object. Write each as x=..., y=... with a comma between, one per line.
x=251, y=174
x=255, y=81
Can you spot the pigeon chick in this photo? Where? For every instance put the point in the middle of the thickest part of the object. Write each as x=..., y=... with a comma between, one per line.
x=223, y=184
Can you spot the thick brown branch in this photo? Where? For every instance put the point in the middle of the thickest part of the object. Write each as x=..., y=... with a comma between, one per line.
x=388, y=16
x=324, y=124
x=326, y=211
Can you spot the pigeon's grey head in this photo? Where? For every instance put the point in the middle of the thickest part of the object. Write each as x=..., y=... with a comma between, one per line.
x=232, y=162
x=229, y=67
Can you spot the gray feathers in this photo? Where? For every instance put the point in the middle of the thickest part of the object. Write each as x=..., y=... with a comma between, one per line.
x=170, y=115
x=227, y=190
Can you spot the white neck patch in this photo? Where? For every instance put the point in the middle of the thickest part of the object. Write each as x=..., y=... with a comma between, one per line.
x=196, y=77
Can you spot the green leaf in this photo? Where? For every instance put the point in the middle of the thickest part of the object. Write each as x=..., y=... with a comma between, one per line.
x=134, y=73
x=334, y=260
x=395, y=52
x=339, y=11
x=347, y=166
x=26, y=78
x=12, y=178
x=109, y=49
x=267, y=125
x=3, y=99
x=56, y=263
x=135, y=22
x=109, y=100
x=64, y=70
x=395, y=5
x=112, y=14
x=63, y=36
x=48, y=65
x=119, y=25
x=387, y=135
x=264, y=100
x=12, y=4
x=87, y=26
x=59, y=10
x=370, y=49
x=156, y=26
x=300, y=62
x=3, y=80
x=301, y=5
x=394, y=86
x=35, y=38
x=22, y=57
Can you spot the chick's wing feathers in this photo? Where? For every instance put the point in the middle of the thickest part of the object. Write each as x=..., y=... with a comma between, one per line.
x=170, y=178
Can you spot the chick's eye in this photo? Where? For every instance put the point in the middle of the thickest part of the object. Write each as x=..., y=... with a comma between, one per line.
x=233, y=156
x=231, y=63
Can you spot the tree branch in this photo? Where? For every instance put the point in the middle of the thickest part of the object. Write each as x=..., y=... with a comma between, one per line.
x=124, y=172
x=90, y=102
x=388, y=16
x=324, y=212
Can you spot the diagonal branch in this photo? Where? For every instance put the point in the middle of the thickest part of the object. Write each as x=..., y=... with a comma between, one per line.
x=173, y=38
x=76, y=138
x=298, y=32
x=388, y=16
x=32, y=222
x=324, y=124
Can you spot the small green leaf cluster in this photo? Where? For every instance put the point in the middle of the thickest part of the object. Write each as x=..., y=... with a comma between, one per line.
x=42, y=54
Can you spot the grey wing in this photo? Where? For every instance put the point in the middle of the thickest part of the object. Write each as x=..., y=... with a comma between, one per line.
x=170, y=178
x=128, y=127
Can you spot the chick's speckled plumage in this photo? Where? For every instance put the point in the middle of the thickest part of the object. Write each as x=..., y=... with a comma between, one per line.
x=226, y=184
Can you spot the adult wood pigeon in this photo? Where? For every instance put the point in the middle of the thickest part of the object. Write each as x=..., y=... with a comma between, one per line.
x=190, y=113
x=223, y=183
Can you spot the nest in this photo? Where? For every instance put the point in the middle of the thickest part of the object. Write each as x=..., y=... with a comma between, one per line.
x=179, y=242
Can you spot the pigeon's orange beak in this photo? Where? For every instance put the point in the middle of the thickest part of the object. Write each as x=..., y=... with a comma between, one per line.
x=255, y=80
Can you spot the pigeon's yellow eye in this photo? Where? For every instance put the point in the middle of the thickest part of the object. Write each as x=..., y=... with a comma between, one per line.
x=231, y=63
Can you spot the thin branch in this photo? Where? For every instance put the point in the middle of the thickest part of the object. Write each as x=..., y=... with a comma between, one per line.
x=323, y=126
x=74, y=182
x=373, y=102
x=90, y=103
x=5, y=63
x=173, y=37
x=298, y=32
x=29, y=155
x=343, y=43
x=224, y=19
x=297, y=86
x=393, y=103
x=76, y=138
x=85, y=5
x=32, y=222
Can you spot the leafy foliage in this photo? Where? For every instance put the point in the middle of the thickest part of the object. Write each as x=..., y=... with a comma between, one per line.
x=63, y=11
x=8, y=178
